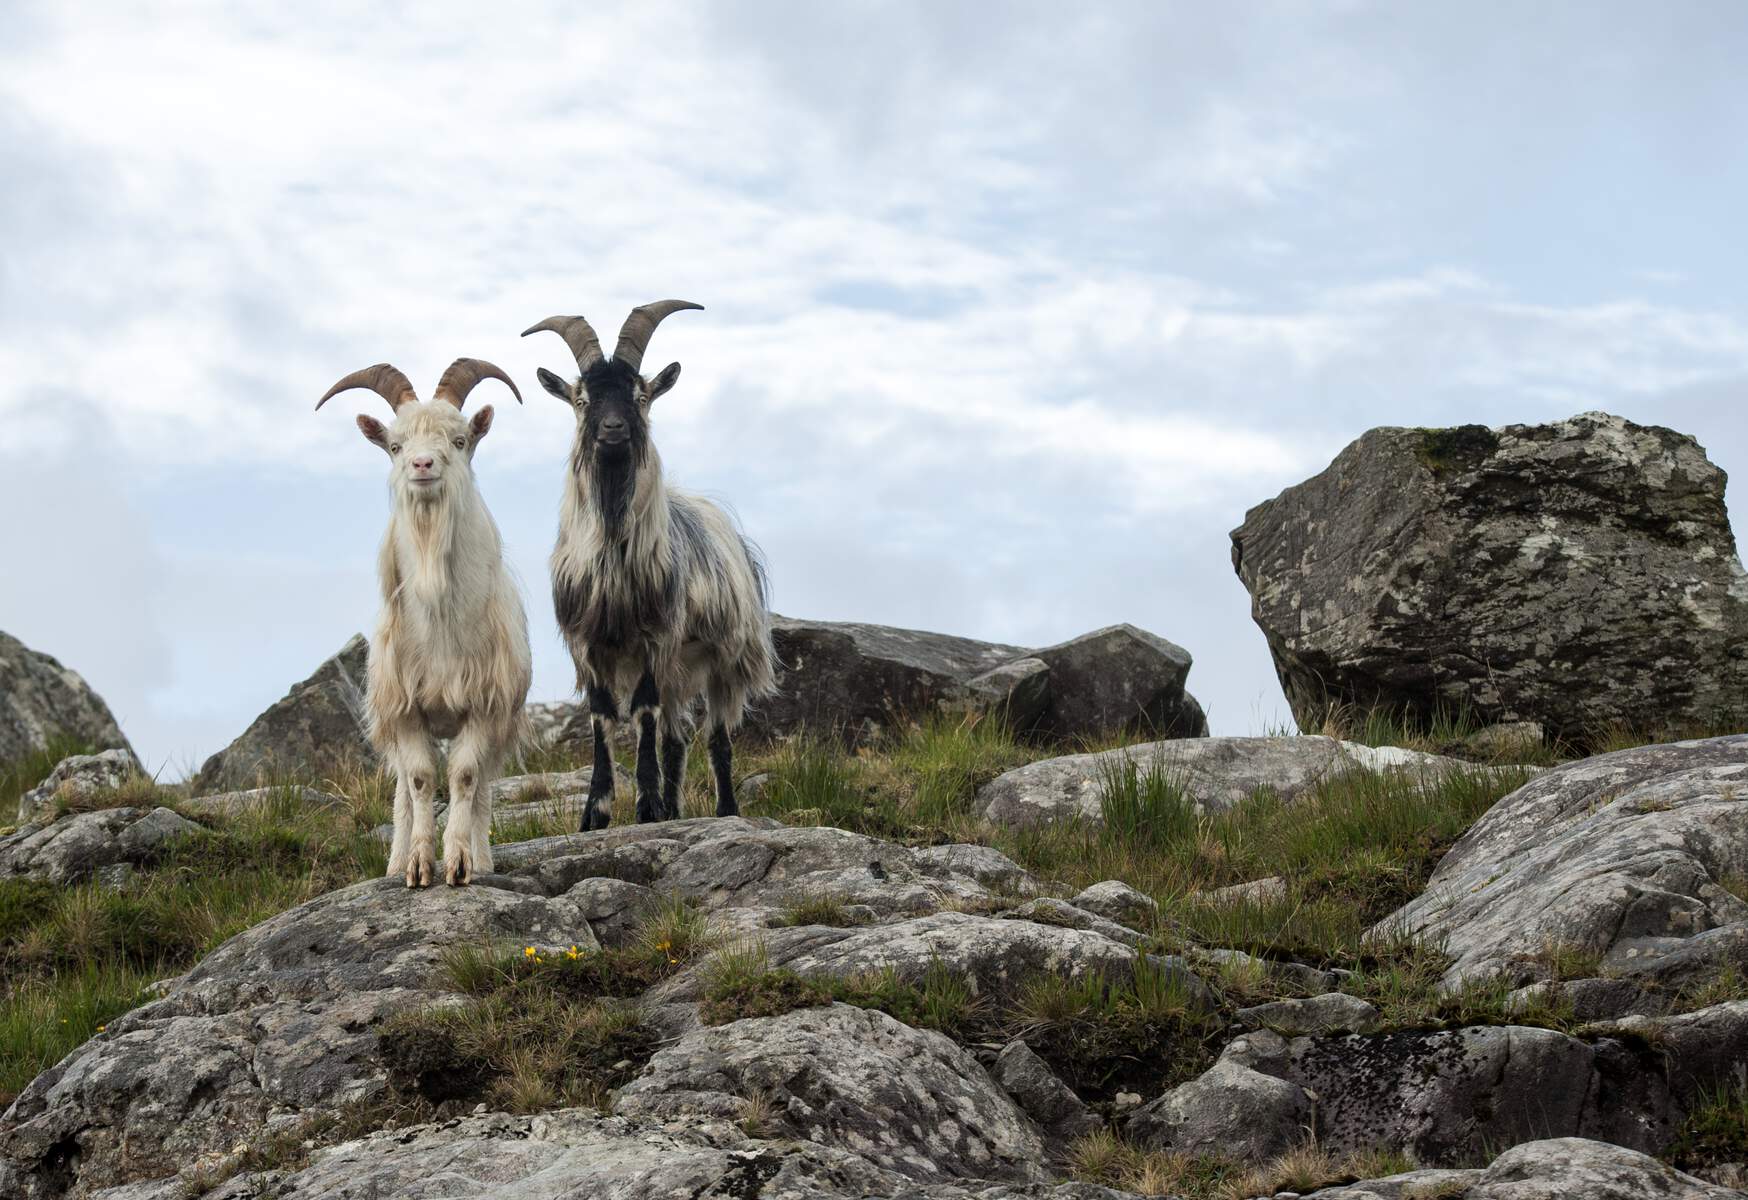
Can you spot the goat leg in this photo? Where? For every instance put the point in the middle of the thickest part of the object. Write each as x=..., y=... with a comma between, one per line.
x=646, y=718
x=722, y=767
x=598, y=810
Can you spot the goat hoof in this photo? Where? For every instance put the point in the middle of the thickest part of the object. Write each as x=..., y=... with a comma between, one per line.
x=457, y=870
x=421, y=869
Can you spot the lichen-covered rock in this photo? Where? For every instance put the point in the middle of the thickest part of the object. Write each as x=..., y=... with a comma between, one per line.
x=80, y=777
x=1217, y=773
x=1047, y=910
x=1574, y=574
x=1042, y=1094
x=908, y=1100
x=1230, y=1110
x=1553, y=1169
x=993, y=954
x=1624, y=856
x=574, y=1152
x=277, y=1023
x=314, y=731
x=1332, y=1012
x=1447, y=1097
x=1117, y=901
x=74, y=848
x=985, y=864
x=42, y=703
x=1701, y=1053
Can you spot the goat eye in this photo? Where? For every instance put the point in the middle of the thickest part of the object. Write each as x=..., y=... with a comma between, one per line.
x=395, y=449
x=461, y=443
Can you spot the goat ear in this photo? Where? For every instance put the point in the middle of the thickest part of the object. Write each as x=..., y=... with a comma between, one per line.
x=373, y=429
x=554, y=384
x=668, y=378
x=481, y=424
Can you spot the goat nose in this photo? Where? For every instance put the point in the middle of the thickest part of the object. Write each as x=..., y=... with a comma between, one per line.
x=423, y=464
x=613, y=423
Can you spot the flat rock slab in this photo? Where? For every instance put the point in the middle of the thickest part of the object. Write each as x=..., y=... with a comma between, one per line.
x=1218, y=773
x=574, y=1152
x=1552, y=1169
x=1623, y=856
x=908, y=1100
x=993, y=954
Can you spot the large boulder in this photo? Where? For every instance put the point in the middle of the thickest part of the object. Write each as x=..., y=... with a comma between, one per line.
x=1626, y=857
x=854, y=680
x=1552, y=1169
x=906, y=1099
x=1574, y=574
x=1216, y=773
x=43, y=704
x=314, y=731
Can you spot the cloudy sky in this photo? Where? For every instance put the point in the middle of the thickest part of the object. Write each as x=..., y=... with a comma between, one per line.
x=1012, y=309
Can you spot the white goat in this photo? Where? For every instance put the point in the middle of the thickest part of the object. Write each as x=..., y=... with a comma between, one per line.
x=450, y=655
x=659, y=597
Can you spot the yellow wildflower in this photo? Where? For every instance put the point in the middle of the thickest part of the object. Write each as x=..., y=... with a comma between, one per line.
x=528, y=952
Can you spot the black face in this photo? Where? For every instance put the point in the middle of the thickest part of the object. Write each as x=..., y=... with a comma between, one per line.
x=615, y=426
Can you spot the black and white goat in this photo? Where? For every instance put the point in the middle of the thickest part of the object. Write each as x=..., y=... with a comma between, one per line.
x=449, y=658
x=659, y=596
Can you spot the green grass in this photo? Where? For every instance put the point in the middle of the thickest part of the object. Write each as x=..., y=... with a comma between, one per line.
x=818, y=910
x=73, y=957
x=1715, y=1132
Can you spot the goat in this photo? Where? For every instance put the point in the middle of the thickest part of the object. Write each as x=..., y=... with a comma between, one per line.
x=657, y=592
x=450, y=655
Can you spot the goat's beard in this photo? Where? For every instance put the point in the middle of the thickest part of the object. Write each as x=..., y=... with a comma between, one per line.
x=613, y=482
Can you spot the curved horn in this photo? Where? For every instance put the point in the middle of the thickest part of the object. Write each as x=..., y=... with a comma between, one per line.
x=577, y=335
x=463, y=374
x=382, y=379
x=634, y=334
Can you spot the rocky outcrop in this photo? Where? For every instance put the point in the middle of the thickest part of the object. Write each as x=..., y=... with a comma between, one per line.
x=316, y=730
x=81, y=778
x=1443, y=1098
x=1215, y=773
x=1623, y=857
x=1575, y=574
x=43, y=704
x=1544, y=1170
x=573, y=1152
x=853, y=680
x=74, y=848
x=278, y=1026
x=908, y=1100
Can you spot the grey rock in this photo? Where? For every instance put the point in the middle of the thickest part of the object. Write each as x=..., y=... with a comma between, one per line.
x=1120, y=678
x=1044, y=1097
x=314, y=731
x=1574, y=574
x=1294, y=976
x=907, y=1100
x=547, y=720
x=853, y=680
x=1591, y=999
x=261, y=800
x=1446, y=1097
x=1230, y=1110
x=1551, y=1169
x=1269, y=890
x=80, y=777
x=1332, y=1012
x=1701, y=1053
x=994, y=955
x=1511, y=741
x=1117, y=901
x=1620, y=855
x=1048, y=911
x=985, y=864
x=1217, y=773
x=575, y=1152
x=613, y=907
x=42, y=702
x=74, y=848
x=276, y=1024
